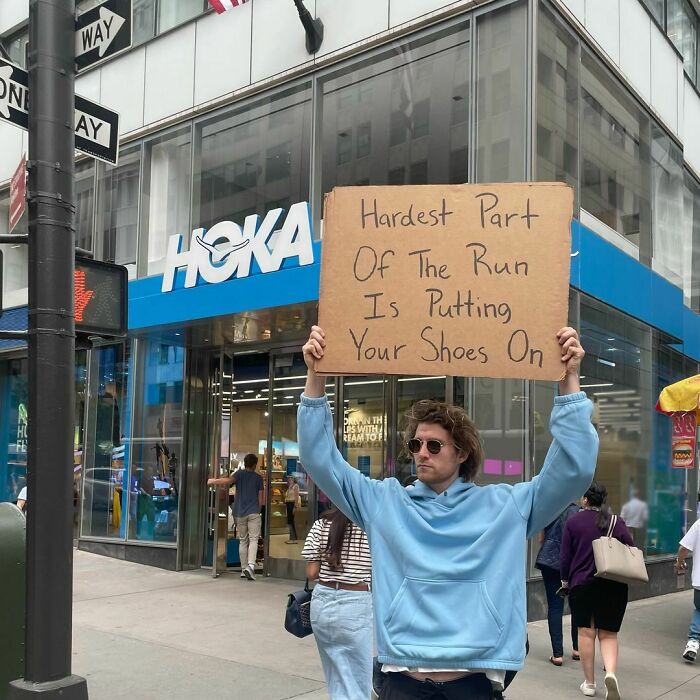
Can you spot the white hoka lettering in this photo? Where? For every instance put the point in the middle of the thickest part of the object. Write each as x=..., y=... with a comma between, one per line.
x=225, y=251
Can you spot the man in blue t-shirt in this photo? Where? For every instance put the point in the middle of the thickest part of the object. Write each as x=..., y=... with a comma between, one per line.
x=250, y=497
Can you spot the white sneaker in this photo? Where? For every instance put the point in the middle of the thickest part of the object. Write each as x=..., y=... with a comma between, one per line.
x=691, y=650
x=243, y=573
x=587, y=689
x=612, y=691
x=249, y=572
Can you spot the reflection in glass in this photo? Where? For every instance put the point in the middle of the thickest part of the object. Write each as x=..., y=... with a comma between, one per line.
x=500, y=98
x=669, y=230
x=364, y=424
x=691, y=242
x=166, y=195
x=253, y=159
x=399, y=117
x=287, y=471
x=627, y=364
x=499, y=414
x=156, y=443
x=615, y=155
x=103, y=478
x=682, y=30
x=410, y=390
x=117, y=207
x=143, y=19
x=13, y=409
x=557, y=102
x=84, y=203
x=170, y=13
x=656, y=8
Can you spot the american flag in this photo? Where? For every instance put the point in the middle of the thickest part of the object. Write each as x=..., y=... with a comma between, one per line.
x=221, y=6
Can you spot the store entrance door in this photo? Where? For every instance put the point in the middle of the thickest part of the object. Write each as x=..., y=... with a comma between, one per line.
x=238, y=404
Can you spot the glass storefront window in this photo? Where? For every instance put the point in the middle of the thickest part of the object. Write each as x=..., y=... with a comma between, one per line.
x=501, y=94
x=691, y=240
x=289, y=376
x=166, y=196
x=104, y=446
x=617, y=371
x=615, y=134
x=84, y=203
x=365, y=424
x=499, y=414
x=253, y=159
x=557, y=101
x=156, y=442
x=400, y=117
x=669, y=229
x=682, y=30
x=408, y=391
x=666, y=486
x=117, y=208
x=13, y=428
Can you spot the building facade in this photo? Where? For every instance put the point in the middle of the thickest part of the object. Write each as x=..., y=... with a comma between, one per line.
x=227, y=118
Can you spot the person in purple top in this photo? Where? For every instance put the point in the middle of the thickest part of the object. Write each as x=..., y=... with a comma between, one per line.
x=598, y=604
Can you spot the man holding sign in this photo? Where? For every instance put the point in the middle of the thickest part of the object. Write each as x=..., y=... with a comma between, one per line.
x=448, y=557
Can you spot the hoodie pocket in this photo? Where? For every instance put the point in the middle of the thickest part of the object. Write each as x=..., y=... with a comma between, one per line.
x=455, y=614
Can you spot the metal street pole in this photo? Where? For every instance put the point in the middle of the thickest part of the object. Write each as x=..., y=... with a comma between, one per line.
x=51, y=356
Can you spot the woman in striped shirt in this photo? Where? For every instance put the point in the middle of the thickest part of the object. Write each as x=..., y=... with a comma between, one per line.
x=341, y=606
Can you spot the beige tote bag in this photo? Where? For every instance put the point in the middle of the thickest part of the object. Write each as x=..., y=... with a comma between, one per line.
x=617, y=561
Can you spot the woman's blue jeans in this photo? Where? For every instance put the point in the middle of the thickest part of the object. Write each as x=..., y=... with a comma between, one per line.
x=555, y=610
x=694, y=631
x=343, y=627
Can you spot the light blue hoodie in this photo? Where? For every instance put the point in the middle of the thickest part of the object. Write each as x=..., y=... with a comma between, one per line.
x=448, y=570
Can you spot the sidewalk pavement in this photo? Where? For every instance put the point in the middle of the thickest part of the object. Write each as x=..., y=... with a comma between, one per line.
x=143, y=633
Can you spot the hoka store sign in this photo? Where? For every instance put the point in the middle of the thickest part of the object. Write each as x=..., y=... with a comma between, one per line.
x=226, y=250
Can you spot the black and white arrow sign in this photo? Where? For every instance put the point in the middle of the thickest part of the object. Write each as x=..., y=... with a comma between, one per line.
x=14, y=94
x=96, y=127
x=102, y=32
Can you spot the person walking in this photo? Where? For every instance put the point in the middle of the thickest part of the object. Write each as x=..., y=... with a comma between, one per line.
x=341, y=604
x=690, y=544
x=292, y=500
x=598, y=604
x=449, y=615
x=250, y=494
x=548, y=563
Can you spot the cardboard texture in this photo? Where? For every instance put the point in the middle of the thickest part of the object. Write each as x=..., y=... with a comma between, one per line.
x=466, y=280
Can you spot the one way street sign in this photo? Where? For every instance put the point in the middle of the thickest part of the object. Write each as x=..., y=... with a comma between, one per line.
x=102, y=32
x=96, y=127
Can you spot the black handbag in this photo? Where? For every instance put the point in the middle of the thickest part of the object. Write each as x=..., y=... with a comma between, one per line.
x=297, y=617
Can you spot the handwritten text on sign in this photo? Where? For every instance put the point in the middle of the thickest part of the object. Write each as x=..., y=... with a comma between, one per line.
x=459, y=280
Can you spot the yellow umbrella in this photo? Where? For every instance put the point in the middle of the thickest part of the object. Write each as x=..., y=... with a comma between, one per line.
x=683, y=396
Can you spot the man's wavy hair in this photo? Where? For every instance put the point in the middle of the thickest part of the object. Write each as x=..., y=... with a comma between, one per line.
x=455, y=420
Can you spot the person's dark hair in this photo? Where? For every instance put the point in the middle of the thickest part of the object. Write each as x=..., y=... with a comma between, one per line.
x=250, y=460
x=596, y=495
x=460, y=426
x=336, y=537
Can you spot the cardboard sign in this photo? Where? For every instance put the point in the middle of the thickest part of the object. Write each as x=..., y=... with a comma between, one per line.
x=683, y=440
x=465, y=280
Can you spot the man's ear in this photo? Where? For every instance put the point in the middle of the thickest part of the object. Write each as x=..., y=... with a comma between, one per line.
x=462, y=455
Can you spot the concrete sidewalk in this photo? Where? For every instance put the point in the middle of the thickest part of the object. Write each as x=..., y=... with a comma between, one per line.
x=144, y=633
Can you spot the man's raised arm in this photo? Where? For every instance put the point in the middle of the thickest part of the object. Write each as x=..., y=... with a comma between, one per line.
x=354, y=494
x=570, y=462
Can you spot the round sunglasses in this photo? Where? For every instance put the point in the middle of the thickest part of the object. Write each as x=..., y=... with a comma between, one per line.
x=434, y=446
